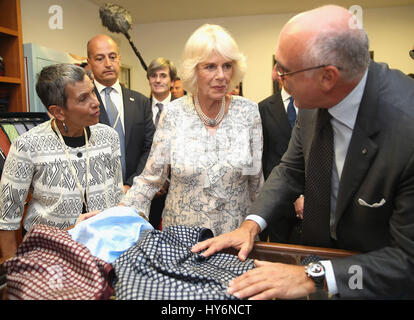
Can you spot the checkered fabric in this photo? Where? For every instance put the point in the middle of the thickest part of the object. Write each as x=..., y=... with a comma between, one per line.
x=49, y=265
x=161, y=266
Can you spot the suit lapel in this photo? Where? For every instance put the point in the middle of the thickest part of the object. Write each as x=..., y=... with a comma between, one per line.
x=362, y=148
x=278, y=112
x=128, y=101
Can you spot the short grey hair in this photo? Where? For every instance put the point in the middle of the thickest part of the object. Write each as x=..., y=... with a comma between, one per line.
x=206, y=40
x=52, y=81
x=348, y=49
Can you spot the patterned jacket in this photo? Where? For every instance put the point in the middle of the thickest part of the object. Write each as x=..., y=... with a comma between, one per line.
x=36, y=163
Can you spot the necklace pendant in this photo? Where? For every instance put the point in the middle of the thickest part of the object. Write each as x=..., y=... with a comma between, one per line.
x=212, y=122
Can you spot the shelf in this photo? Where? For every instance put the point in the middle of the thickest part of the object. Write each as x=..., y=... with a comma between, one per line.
x=11, y=80
x=11, y=50
x=10, y=14
x=10, y=32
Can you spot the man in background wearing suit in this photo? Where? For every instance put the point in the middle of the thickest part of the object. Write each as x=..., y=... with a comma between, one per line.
x=161, y=74
x=128, y=112
x=357, y=175
x=278, y=114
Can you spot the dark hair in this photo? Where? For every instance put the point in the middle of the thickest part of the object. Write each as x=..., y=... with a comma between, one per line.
x=52, y=81
x=161, y=63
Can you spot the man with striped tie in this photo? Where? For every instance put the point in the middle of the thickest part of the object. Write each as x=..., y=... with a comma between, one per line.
x=127, y=111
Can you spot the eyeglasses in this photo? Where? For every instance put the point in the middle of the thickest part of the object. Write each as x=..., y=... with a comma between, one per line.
x=281, y=73
x=412, y=54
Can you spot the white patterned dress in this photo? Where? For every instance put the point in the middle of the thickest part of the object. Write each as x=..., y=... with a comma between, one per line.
x=213, y=177
x=37, y=163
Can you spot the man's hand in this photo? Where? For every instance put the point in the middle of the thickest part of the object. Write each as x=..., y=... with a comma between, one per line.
x=272, y=280
x=241, y=239
x=299, y=203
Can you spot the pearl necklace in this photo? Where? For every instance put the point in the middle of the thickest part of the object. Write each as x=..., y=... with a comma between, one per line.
x=209, y=122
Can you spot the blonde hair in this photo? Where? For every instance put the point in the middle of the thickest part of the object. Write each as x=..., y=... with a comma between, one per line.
x=205, y=41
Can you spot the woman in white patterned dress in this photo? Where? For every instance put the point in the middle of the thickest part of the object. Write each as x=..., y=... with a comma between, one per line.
x=209, y=142
x=70, y=164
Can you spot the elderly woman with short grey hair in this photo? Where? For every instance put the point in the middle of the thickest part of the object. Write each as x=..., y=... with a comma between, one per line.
x=70, y=164
x=208, y=141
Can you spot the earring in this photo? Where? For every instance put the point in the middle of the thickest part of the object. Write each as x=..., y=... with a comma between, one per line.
x=65, y=128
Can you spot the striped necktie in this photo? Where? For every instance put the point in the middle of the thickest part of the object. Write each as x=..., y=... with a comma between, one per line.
x=113, y=115
x=157, y=117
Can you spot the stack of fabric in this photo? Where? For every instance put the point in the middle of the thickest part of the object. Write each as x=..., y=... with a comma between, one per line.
x=161, y=266
x=118, y=254
x=49, y=265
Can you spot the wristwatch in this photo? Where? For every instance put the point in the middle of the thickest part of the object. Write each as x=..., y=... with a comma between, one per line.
x=316, y=272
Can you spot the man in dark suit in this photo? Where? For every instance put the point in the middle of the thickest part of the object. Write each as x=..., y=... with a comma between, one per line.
x=278, y=115
x=276, y=129
x=161, y=74
x=323, y=61
x=132, y=117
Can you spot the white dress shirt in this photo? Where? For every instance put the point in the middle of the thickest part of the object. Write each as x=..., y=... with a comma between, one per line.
x=154, y=105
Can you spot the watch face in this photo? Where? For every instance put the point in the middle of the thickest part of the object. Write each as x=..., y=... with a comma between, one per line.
x=316, y=270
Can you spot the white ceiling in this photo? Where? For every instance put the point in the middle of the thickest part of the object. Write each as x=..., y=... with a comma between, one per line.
x=150, y=11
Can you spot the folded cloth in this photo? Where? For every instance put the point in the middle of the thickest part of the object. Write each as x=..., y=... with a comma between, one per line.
x=161, y=266
x=49, y=265
x=110, y=233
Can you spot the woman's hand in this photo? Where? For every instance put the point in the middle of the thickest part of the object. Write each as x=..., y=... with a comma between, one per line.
x=86, y=215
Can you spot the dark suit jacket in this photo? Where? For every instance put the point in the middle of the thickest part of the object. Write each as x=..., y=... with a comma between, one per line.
x=139, y=130
x=276, y=131
x=276, y=136
x=379, y=165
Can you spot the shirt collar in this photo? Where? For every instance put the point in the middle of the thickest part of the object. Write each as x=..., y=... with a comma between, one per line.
x=284, y=94
x=164, y=102
x=116, y=86
x=346, y=110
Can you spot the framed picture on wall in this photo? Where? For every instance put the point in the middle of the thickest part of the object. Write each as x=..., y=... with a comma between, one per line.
x=125, y=77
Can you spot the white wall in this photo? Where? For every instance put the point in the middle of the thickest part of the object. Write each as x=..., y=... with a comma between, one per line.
x=390, y=32
x=256, y=36
x=80, y=23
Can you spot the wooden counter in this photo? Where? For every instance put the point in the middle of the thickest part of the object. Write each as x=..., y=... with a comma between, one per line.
x=273, y=252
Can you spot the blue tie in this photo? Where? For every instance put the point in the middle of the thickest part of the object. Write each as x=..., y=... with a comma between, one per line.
x=112, y=115
x=291, y=112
